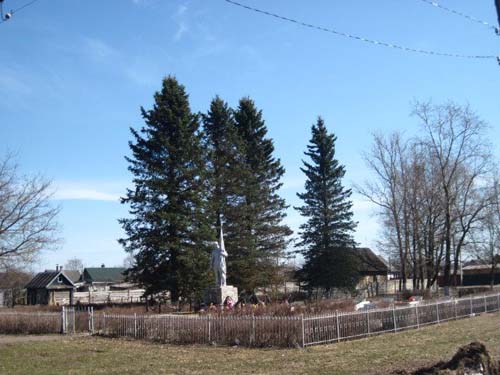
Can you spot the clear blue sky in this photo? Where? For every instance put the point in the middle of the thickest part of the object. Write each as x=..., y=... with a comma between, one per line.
x=73, y=75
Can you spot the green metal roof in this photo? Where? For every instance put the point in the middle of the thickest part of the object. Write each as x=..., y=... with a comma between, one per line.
x=104, y=274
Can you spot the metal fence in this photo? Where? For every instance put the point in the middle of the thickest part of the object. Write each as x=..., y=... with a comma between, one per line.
x=295, y=330
x=29, y=323
x=286, y=331
x=67, y=321
x=346, y=326
x=225, y=330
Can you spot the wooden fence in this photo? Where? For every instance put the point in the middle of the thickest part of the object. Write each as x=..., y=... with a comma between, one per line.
x=259, y=331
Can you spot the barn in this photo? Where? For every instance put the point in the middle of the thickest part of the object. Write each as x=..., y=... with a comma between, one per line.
x=50, y=288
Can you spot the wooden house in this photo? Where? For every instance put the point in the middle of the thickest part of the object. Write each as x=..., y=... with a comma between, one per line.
x=50, y=288
x=373, y=270
x=103, y=279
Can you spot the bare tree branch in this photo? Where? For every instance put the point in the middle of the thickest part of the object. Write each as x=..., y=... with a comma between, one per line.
x=27, y=217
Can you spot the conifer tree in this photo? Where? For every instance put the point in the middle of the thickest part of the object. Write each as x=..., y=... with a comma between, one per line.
x=227, y=175
x=224, y=162
x=167, y=228
x=327, y=236
x=260, y=236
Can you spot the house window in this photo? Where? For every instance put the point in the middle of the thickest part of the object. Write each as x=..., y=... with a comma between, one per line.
x=60, y=279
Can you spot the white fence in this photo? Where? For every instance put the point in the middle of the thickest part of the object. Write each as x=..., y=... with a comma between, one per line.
x=345, y=326
x=67, y=321
x=225, y=330
x=286, y=331
x=112, y=296
x=295, y=330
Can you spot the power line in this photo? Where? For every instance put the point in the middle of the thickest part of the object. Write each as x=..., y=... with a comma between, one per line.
x=13, y=11
x=463, y=15
x=359, y=38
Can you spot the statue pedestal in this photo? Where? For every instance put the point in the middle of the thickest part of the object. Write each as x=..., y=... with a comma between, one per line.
x=218, y=294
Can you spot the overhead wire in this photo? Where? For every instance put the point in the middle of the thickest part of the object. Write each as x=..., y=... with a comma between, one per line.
x=359, y=38
x=13, y=11
x=463, y=15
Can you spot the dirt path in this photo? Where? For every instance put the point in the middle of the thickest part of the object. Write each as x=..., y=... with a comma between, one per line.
x=15, y=339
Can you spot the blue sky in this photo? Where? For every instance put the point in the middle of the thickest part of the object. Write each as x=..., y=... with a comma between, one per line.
x=73, y=75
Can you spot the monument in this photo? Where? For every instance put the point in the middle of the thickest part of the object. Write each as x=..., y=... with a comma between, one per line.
x=220, y=291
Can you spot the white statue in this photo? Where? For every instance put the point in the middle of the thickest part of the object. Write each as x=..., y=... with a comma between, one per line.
x=218, y=261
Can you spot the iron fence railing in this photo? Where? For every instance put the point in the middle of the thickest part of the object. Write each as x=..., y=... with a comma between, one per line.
x=281, y=331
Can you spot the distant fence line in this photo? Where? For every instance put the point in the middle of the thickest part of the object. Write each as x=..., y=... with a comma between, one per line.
x=111, y=296
x=68, y=321
x=285, y=331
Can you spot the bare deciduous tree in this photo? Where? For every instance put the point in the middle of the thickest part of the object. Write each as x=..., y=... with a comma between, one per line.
x=27, y=217
x=129, y=260
x=486, y=237
x=74, y=264
x=12, y=282
x=430, y=191
x=387, y=191
x=454, y=138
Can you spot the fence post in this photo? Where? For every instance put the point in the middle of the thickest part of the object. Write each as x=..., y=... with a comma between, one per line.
x=394, y=317
x=368, y=322
x=104, y=323
x=135, y=325
x=416, y=312
x=338, y=325
x=91, y=319
x=253, y=330
x=498, y=301
x=437, y=312
x=63, y=320
x=303, y=331
x=89, y=327
x=471, y=309
x=485, y=304
x=455, y=308
x=209, y=329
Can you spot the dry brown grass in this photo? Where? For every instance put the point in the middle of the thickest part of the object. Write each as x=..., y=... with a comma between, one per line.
x=285, y=309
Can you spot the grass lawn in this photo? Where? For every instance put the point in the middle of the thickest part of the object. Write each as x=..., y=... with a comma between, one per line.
x=376, y=355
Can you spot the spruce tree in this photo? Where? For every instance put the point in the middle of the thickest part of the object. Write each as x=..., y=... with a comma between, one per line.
x=327, y=236
x=167, y=228
x=260, y=236
x=226, y=171
x=227, y=174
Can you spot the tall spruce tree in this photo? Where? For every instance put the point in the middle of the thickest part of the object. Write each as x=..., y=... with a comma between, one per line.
x=327, y=236
x=227, y=174
x=226, y=171
x=168, y=227
x=260, y=237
